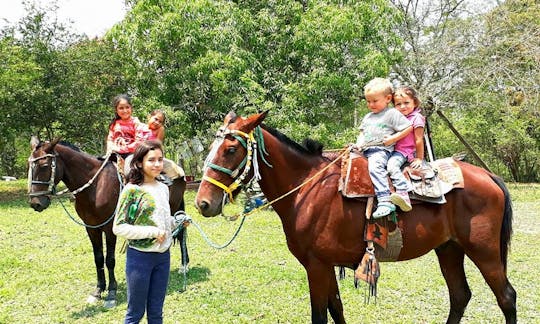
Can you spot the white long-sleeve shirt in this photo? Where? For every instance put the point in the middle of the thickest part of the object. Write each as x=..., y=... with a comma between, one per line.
x=155, y=200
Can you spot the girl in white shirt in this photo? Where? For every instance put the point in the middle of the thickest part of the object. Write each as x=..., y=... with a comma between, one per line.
x=143, y=218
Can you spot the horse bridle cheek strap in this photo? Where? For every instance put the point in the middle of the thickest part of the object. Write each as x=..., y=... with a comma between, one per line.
x=251, y=146
x=50, y=182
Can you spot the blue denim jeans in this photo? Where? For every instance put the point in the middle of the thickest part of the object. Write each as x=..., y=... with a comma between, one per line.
x=147, y=276
x=399, y=181
x=377, y=161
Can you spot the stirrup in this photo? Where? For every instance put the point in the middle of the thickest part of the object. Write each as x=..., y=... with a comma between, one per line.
x=384, y=209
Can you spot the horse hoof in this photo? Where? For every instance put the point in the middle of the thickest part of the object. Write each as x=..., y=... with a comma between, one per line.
x=92, y=300
x=109, y=303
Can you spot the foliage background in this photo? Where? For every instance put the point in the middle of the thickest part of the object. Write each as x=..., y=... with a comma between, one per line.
x=305, y=61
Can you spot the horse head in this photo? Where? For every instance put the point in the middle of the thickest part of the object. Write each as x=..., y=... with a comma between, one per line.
x=42, y=173
x=228, y=164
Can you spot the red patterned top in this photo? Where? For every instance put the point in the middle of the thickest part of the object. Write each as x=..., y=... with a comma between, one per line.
x=124, y=135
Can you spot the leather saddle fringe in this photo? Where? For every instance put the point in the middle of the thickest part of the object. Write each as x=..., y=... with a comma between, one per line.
x=368, y=270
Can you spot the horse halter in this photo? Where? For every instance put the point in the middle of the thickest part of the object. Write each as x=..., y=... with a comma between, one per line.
x=249, y=142
x=51, y=186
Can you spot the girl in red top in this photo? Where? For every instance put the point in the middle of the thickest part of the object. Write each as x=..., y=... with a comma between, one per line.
x=124, y=135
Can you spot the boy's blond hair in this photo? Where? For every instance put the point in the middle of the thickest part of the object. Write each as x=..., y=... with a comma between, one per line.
x=379, y=85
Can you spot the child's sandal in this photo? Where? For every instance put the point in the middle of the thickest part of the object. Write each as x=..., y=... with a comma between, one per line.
x=384, y=209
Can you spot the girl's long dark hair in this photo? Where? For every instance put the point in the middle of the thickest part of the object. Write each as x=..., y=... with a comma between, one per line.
x=136, y=175
x=115, y=103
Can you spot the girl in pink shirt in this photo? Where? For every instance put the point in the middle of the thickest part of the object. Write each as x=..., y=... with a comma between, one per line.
x=155, y=129
x=411, y=147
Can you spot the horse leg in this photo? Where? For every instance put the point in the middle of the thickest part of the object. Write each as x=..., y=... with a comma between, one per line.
x=324, y=293
x=334, y=300
x=97, y=246
x=110, y=261
x=494, y=273
x=182, y=238
x=177, y=203
x=451, y=257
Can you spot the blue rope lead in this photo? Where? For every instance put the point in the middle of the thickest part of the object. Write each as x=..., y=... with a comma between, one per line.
x=214, y=245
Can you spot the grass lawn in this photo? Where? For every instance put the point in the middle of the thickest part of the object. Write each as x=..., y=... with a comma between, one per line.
x=47, y=271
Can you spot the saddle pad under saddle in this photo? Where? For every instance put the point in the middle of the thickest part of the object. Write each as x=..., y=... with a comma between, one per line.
x=432, y=183
x=444, y=176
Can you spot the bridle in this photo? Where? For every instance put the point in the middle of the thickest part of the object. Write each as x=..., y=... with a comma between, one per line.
x=51, y=186
x=252, y=138
x=51, y=183
x=249, y=142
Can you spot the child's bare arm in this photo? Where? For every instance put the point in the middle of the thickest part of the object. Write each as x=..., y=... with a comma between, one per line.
x=160, y=133
x=397, y=136
x=419, y=142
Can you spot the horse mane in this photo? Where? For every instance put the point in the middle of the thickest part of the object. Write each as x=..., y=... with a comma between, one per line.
x=71, y=146
x=64, y=143
x=308, y=147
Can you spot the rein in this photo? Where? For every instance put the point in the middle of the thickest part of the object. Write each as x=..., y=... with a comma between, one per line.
x=294, y=189
x=91, y=181
x=52, y=186
x=251, y=147
x=99, y=225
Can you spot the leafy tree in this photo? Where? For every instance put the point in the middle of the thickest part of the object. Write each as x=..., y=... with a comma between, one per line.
x=92, y=75
x=304, y=61
x=51, y=82
x=504, y=94
x=475, y=65
x=17, y=81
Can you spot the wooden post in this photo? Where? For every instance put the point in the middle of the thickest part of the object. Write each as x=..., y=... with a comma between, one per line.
x=458, y=135
x=428, y=144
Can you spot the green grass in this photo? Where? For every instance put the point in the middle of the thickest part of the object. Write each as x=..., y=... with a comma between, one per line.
x=47, y=271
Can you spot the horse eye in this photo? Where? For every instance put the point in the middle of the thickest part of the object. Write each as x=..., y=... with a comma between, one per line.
x=231, y=150
x=44, y=165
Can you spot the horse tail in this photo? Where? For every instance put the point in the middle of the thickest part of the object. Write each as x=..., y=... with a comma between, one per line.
x=506, y=229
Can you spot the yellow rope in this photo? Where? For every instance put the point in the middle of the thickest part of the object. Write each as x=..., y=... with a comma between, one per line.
x=299, y=186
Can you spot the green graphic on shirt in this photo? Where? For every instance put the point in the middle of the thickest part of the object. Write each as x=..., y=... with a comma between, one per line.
x=137, y=207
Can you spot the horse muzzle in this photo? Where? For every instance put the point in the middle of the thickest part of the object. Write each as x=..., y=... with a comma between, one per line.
x=206, y=208
x=39, y=204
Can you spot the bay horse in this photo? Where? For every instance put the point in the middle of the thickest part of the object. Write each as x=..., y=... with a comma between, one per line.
x=324, y=230
x=96, y=186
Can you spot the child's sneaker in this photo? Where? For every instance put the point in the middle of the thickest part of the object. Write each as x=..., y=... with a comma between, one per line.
x=401, y=199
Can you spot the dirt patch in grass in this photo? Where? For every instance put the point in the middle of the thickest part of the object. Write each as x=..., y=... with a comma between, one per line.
x=12, y=190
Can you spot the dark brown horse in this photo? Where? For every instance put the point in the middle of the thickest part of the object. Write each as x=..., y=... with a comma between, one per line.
x=96, y=187
x=325, y=230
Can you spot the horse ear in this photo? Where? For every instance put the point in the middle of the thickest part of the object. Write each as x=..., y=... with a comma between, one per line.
x=55, y=141
x=52, y=144
x=255, y=120
x=34, y=142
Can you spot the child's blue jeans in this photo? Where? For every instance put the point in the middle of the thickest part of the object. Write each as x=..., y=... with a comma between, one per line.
x=377, y=161
x=147, y=276
x=394, y=164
